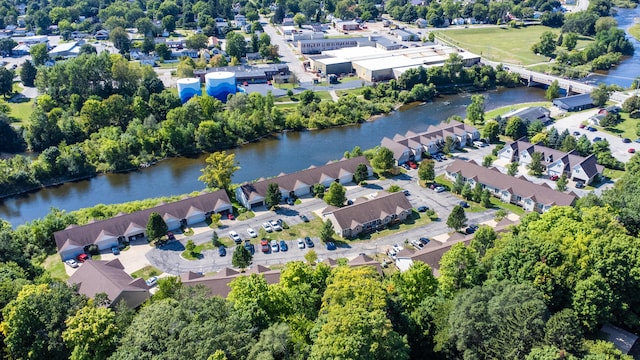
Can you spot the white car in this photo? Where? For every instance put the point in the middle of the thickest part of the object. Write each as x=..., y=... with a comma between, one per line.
x=252, y=233
x=300, y=244
x=152, y=281
x=274, y=224
x=439, y=189
x=72, y=263
x=274, y=246
x=235, y=237
x=267, y=227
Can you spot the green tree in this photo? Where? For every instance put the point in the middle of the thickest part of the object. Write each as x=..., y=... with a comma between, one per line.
x=458, y=185
x=91, y=333
x=547, y=44
x=275, y=343
x=426, y=171
x=335, y=196
x=120, y=39
x=185, y=68
x=361, y=174
x=563, y=331
x=457, y=219
x=215, y=239
x=169, y=23
x=6, y=82
x=156, y=227
x=536, y=168
x=553, y=91
x=491, y=131
x=475, y=110
x=459, y=269
x=273, y=196
x=311, y=257
x=196, y=41
x=415, y=285
x=299, y=19
x=570, y=41
x=190, y=246
x=449, y=145
x=561, y=184
x=487, y=161
x=219, y=170
x=483, y=240
x=383, y=159
x=163, y=51
x=236, y=45
x=485, y=199
x=28, y=73
x=241, y=257
x=466, y=192
x=600, y=95
x=327, y=232
x=515, y=128
x=39, y=54
x=318, y=190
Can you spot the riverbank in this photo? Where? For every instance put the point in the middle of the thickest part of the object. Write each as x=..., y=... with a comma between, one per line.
x=634, y=31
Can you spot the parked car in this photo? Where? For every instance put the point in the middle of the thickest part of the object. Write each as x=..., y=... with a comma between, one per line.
x=471, y=229
x=152, y=281
x=331, y=245
x=405, y=166
x=309, y=242
x=423, y=208
x=637, y=140
x=275, y=226
x=274, y=246
x=283, y=245
x=304, y=218
x=82, y=258
x=576, y=133
x=631, y=151
x=252, y=233
x=301, y=244
x=72, y=263
x=235, y=237
x=439, y=189
x=406, y=192
x=115, y=250
x=591, y=128
x=464, y=204
x=222, y=251
x=231, y=217
x=424, y=240
x=170, y=236
x=597, y=138
x=267, y=227
x=250, y=247
x=626, y=140
x=579, y=184
x=417, y=244
x=582, y=126
x=554, y=177
x=290, y=201
x=264, y=245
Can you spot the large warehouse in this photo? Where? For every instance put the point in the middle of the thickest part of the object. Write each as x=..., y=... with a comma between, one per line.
x=374, y=64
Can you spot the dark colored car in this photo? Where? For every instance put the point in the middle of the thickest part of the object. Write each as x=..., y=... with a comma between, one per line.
x=424, y=240
x=471, y=229
x=554, y=177
x=115, y=250
x=582, y=126
x=250, y=247
x=626, y=140
x=309, y=242
x=464, y=204
x=579, y=185
x=304, y=218
x=283, y=245
x=331, y=245
x=290, y=201
x=170, y=236
x=592, y=129
x=576, y=133
x=222, y=251
x=406, y=192
x=264, y=245
x=597, y=138
x=423, y=208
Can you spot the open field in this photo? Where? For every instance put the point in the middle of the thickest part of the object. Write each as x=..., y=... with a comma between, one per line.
x=21, y=111
x=626, y=128
x=508, y=45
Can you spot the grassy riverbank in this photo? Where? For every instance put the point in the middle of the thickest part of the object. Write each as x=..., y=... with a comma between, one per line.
x=635, y=31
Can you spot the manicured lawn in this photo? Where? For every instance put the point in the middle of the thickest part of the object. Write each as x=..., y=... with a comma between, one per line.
x=492, y=114
x=246, y=215
x=612, y=174
x=626, y=128
x=197, y=252
x=356, y=92
x=21, y=111
x=415, y=220
x=324, y=95
x=55, y=267
x=508, y=45
x=476, y=208
x=146, y=272
x=509, y=207
x=311, y=229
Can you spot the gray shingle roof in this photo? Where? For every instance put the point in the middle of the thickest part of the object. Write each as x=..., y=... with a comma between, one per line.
x=380, y=207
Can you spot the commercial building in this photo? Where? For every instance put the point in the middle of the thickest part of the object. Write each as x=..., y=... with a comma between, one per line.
x=556, y=162
x=531, y=114
x=574, y=102
x=316, y=46
x=300, y=183
x=510, y=189
x=123, y=228
x=66, y=50
x=249, y=74
x=411, y=145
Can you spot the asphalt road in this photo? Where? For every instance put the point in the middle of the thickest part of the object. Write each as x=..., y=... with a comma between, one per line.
x=169, y=260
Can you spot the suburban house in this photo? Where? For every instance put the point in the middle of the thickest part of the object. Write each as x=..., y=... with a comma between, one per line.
x=510, y=189
x=366, y=216
x=412, y=145
x=556, y=162
x=301, y=183
x=74, y=240
x=101, y=35
x=574, y=102
x=531, y=114
x=108, y=277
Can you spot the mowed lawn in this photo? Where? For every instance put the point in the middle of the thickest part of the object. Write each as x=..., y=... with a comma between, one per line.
x=507, y=45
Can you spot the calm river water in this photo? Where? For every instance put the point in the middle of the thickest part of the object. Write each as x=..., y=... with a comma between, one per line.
x=287, y=152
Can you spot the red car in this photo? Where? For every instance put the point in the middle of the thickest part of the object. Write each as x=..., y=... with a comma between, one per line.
x=554, y=177
x=631, y=151
x=264, y=245
x=582, y=126
x=231, y=217
x=82, y=258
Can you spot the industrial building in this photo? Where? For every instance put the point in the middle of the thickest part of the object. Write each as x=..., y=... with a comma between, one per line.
x=374, y=64
x=250, y=74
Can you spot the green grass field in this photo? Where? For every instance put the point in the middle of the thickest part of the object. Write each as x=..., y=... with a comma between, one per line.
x=635, y=31
x=21, y=111
x=626, y=128
x=507, y=45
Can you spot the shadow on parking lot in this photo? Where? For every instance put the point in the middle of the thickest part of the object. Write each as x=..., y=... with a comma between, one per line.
x=373, y=186
x=172, y=246
x=286, y=211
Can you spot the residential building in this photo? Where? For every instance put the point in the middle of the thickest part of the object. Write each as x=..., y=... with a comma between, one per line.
x=240, y=20
x=510, y=189
x=574, y=103
x=411, y=146
x=404, y=35
x=101, y=35
x=123, y=228
x=556, y=162
x=95, y=277
x=622, y=339
x=531, y=114
x=421, y=23
x=300, y=183
x=366, y=216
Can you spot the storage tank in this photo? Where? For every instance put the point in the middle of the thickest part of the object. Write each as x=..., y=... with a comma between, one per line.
x=188, y=88
x=220, y=84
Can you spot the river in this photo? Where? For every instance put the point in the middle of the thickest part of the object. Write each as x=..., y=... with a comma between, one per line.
x=285, y=152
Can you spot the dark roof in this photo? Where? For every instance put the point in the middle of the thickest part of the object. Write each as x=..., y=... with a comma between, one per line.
x=380, y=207
x=218, y=284
x=491, y=177
x=530, y=114
x=117, y=226
x=308, y=177
x=98, y=276
x=574, y=101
